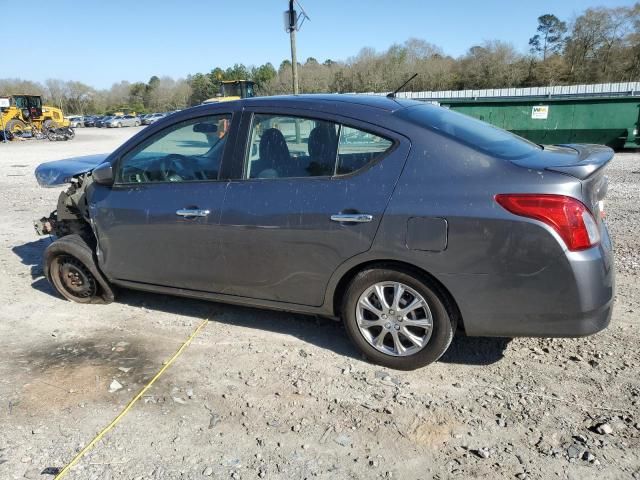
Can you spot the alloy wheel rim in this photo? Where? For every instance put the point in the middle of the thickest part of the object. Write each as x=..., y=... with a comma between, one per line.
x=394, y=319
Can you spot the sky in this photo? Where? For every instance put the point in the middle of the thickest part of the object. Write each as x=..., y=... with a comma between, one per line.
x=100, y=42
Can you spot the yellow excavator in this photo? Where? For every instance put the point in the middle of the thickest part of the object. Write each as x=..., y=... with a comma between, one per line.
x=22, y=113
x=233, y=90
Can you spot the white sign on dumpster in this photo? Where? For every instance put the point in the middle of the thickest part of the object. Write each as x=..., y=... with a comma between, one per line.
x=540, y=112
x=4, y=102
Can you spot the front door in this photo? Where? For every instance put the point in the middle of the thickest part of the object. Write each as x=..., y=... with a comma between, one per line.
x=158, y=224
x=311, y=195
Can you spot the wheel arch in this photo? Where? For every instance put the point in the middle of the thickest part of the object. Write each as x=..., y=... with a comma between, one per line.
x=341, y=286
x=75, y=246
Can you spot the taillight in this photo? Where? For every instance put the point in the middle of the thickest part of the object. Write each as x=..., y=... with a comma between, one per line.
x=569, y=217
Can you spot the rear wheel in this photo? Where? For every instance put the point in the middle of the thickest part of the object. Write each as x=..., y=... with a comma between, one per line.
x=137, y=124
x=396, y=318
x=119, y=125
x=73, y=280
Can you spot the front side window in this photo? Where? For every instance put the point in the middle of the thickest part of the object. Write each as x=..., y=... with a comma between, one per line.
x=187, y=151
x=287, y=147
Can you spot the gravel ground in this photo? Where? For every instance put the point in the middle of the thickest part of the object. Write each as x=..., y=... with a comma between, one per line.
x=262, y=394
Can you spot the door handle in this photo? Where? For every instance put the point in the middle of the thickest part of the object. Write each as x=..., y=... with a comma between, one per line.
x=192, y=212
x=352, y=217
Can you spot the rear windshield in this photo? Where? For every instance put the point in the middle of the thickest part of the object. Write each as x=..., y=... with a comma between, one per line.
x=470, y=131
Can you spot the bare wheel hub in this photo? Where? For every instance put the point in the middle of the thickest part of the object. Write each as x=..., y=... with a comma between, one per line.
x=76, y=278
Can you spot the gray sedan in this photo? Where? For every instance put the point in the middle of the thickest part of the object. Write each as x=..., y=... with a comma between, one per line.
x=152, y=118
x=404, y=220
x=123, y=121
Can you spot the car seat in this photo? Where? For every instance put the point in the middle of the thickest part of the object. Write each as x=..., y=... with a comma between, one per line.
x=274, y=155
x=322, y=145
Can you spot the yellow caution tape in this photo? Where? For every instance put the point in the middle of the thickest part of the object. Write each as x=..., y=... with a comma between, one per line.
x=131, y=403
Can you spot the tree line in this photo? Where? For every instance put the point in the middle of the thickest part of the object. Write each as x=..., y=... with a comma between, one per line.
x=600, y=45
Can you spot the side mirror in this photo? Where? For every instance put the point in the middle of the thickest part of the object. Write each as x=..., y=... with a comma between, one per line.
x=103, y=174
x=205, y=128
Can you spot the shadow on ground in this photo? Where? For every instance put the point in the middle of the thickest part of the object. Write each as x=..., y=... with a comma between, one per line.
x=31, y=255
x=319, y=331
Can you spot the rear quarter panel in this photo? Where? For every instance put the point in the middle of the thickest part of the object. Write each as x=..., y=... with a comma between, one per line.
x=495, y=264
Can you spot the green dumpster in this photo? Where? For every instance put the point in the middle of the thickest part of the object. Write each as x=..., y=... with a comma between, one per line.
x=611, y=120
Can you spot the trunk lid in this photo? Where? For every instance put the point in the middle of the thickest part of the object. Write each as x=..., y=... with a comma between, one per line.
x=582, y=161
x=578, y=160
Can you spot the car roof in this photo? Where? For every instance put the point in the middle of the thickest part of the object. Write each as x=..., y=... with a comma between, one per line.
x=330, y=103
x=324, y=101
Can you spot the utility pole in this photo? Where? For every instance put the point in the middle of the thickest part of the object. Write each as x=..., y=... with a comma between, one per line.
x=291, y=26
x=292, y=36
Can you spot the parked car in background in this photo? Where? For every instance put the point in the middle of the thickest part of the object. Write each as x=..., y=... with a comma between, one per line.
x=402, y=218
x=101, y=121
x=123, y=121
x=90, y=120
x=76, y=121
x=152, y=118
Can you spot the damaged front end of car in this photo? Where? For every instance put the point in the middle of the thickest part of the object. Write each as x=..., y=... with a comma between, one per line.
x=71, y=215
x=70, y=262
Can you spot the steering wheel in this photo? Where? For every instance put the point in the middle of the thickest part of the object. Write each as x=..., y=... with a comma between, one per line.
x=174, y=168
x=135, y=175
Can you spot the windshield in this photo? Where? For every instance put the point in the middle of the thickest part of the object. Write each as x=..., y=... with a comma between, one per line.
x=470, y=131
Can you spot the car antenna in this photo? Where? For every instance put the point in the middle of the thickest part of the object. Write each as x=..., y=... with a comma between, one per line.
x=393, y=94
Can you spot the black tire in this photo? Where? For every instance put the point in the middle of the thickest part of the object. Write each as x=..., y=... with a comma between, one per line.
x=70, y=257
x=443, y=320
x=15, y=126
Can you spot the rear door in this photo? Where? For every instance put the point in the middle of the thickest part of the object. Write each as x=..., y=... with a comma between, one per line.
x=309, y=195
x=158, y=224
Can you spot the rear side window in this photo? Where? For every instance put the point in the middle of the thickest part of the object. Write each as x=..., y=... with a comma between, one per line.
x=358, y=148
x=470, y=131
x=290, y=147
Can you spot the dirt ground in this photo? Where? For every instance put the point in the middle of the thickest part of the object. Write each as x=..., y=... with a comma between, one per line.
x=261, y=394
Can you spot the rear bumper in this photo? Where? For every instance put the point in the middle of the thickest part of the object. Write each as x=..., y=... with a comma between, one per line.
x=572, y=297
x=548, y=325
